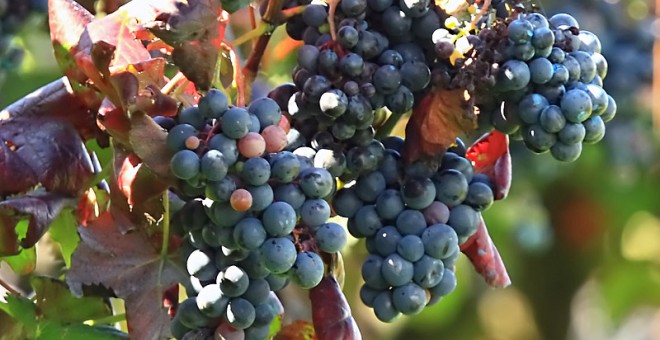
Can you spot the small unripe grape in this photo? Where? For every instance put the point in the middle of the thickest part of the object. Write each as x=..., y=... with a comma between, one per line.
x=275, y=138
x=192, y=143
x=241, y=200
x=285, y=124
x=252, y=145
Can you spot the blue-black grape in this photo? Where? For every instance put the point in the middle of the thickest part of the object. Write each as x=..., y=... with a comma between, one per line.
x=278, y=254
x=307, y=271
x=240, y=313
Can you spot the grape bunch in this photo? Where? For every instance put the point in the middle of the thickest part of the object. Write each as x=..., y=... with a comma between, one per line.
x=343, y=88
x=414, y=219
x=550, y=83
x=256, y=215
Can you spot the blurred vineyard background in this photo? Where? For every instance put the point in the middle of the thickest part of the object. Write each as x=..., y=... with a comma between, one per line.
x=581, y=241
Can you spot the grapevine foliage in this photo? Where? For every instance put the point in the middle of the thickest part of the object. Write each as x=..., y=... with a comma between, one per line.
x=232, y=197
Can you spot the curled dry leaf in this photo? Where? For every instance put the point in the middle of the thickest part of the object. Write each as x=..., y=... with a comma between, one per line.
x=485, y=258
x=490, y=155
x=437, y=119
x=331, y=314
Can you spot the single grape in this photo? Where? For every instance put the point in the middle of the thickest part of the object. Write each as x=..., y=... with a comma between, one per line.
x=316, y=182
x=409, y=298
x=240, y=313
x=368, y=295
x=185, y=164
x=279, y=219
x=537, y=139
x=451, y=187
x=563, y=21
x=411, y=248
x=480, y=196
x=233, y=281
x=192, y=116
x=315, y=15
x=236, y=123
x=541, y=70
x=367, y=221
x=190, y=316
x=256, y=171
x=213, y=165
x=346, y=202
x=331, y=160
x=213, y=104
x=254, y=265
x=401, y=101
x=290, y=193
x=262, y=197
x=307, y=271
x=241, y=200
x=594, y=130
x=371, y=272
x=513, y=75
x=224, y=215
x=520, y=31
x=396, y=270
x=610, y=111
x=389, y=204
x=552, y=119
x=227, y=146
x=428, y=271
x=333, y=103
x=440, y=240
x=315, y=212
x=386, y=240
x=353, y=8
x=351, y=64
x=264, y=315
x=251, y=145
x=464, y=220
x=258, y=291
x=347, y=37
x=330, y=237
x=446, y=286
x=572, y=133
x=437, y=212
x=249, y=233
x=415, y=75
x=278, y=254
x=398, y=23
x=418, y=193
x=384, y=307
x=200, y=265
x=411, y=222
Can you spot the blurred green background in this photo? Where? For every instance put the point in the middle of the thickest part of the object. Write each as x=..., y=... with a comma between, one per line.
x=581, y=241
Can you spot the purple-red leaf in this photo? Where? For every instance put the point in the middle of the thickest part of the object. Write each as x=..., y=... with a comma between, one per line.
x=51, y=153
x=440, y=117
x=39, y=208
x=331, y=313
x=148, y=141
x=196, y=31
x=485, y=258
x=490, y=156
x=67, y=20
x=130, y=264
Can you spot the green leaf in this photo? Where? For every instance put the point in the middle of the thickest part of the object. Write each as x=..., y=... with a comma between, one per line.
x=22, y=263
x=21, y=309
x=53, y=297
x=49, y=330
x=64, y=231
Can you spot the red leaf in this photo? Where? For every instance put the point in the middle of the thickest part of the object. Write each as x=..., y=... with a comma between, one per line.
x=485, y=258
x=440, y=117
x=58, y=102
x=67, y=20
x=195, y=30
x=331, y=314
x=148, y=141
x=138, y=183
x=50, y=153
x=490, y=155
x=129, y=264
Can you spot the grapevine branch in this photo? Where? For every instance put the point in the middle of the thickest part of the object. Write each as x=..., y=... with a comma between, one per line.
x=8, y=287
x=271, y=18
